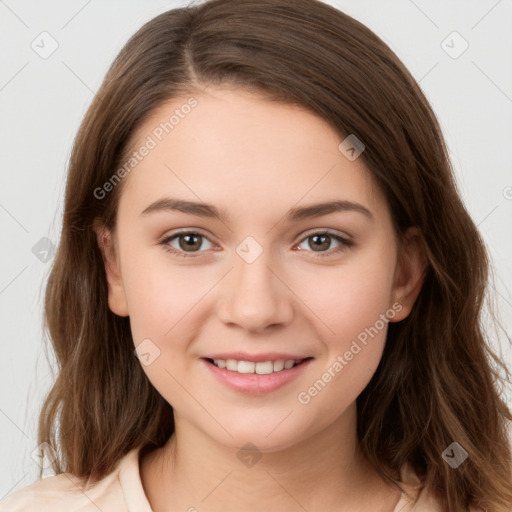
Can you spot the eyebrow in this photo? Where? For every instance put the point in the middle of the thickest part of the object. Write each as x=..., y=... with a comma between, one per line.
x=293, y=215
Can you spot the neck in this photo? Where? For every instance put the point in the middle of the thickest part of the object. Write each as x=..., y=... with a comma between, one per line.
x=325, y=471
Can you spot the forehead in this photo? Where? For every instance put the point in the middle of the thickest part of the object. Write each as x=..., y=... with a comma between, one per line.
x=239, y=149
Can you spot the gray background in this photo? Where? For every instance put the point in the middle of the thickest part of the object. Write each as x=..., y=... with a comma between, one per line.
x=43, y=100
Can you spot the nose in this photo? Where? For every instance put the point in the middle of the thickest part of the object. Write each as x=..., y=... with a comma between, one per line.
x=255, y=297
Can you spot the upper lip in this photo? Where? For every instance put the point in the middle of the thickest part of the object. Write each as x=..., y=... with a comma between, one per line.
x=256, y=358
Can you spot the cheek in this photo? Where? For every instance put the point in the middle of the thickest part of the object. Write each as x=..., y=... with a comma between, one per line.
x=349, y=297
x=160, y=296
x=353, y=307
x=163, y=301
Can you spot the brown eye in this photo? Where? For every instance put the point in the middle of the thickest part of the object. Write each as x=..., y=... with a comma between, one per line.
x=321, y=243
x=188, y=242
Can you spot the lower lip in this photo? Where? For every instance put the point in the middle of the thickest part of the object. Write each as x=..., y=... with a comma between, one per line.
x=253, y=383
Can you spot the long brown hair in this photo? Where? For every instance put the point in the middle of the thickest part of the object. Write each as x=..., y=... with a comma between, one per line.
x=438, y=379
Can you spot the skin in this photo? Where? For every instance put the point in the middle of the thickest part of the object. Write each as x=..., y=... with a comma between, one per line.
x=256, y=159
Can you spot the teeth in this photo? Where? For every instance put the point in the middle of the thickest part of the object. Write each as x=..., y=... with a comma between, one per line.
x=261, y=368
x=232, y=365
x=245, y=367
x=278, y=365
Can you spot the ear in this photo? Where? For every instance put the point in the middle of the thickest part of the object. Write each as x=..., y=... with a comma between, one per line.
x=116, y=296
x=409, y=272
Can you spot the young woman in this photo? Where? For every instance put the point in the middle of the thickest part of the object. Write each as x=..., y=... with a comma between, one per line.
x=267, y=292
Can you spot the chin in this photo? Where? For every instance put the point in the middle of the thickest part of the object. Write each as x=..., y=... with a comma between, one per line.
x=259, y=440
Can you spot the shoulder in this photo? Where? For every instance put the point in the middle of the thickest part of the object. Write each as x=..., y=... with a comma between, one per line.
x=68, y=493
x=63, y=492
x=417, y=498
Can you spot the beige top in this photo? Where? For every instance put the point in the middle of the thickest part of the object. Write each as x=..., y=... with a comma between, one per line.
x=122, y=491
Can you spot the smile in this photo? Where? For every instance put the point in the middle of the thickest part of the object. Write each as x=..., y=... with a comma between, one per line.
x=261, y=368
x=256, y=378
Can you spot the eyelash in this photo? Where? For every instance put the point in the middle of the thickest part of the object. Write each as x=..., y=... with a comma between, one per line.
x=345, y=243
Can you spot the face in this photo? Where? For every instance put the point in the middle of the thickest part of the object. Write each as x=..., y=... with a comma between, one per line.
x=267, y=279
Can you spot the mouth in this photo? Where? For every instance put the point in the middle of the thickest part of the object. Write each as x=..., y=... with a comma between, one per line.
x=259, y=368
x=256, y=378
